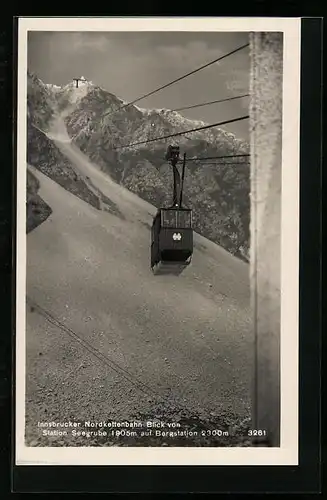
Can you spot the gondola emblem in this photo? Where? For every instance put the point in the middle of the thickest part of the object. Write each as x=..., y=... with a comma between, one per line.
x=177, y=236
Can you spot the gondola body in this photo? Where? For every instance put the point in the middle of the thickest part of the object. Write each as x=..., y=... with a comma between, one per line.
x=171, y=241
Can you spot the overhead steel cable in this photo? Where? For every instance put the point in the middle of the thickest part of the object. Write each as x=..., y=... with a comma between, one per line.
x=176, y=134
x=247, y=162
x=218, y=59
x=226, y=163
x=210, y=102
x=218, y=157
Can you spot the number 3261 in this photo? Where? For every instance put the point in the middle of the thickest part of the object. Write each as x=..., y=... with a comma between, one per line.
x=257, y=432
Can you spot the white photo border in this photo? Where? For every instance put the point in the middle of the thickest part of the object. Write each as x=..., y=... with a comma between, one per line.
x=287, y=453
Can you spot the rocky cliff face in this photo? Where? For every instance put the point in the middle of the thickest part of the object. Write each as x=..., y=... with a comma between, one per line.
x=218, y=194
x=37, y=211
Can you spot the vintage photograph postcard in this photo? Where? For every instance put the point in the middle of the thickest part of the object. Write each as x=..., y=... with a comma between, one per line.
x=157, y=241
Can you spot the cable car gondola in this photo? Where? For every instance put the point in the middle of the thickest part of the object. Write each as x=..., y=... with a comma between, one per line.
x=172, y=232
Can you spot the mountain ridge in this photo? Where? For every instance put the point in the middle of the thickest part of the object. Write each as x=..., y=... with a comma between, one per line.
x=98, y=122
x=42, y=153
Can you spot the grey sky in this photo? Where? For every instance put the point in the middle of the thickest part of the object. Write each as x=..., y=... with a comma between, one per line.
x=130, y=64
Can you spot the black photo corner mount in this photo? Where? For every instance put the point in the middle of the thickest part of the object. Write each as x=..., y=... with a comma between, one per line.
x=7, y=237
x=304, y=478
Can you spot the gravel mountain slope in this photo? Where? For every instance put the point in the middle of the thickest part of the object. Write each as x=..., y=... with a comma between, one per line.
x=108, y=340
